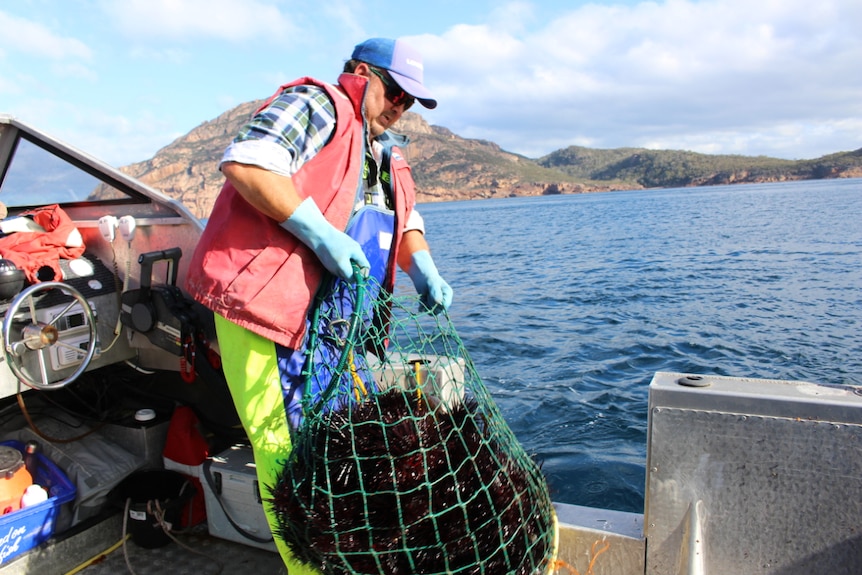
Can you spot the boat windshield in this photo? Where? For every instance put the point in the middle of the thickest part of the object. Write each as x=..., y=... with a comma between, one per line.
x=35, y=175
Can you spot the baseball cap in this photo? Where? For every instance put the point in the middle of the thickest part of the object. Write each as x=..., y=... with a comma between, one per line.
x=402, y=61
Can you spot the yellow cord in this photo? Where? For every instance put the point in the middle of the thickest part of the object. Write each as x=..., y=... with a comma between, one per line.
x=417, y=376
x=358, y=385
x=98, y=557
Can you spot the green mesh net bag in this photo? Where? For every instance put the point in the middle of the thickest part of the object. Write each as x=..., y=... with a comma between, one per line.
x=401, y=460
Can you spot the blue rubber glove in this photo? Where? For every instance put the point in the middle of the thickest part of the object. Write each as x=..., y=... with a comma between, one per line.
x=335, y=249
x=436, y=293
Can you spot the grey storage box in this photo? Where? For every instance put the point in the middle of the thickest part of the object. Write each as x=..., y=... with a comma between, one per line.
x=233, y=500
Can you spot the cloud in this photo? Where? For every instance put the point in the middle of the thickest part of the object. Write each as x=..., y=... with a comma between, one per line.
x=66, y=70
x=680, y=73
x=191, y=19
x=719, y=76
x=25, y=36
x=28, y=48
x=117, y=139
x=344, y=15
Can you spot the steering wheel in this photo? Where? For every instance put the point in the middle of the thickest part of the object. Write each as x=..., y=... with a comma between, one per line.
x=38, y=337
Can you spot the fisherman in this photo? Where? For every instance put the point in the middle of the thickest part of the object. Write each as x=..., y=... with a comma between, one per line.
x=315, y=183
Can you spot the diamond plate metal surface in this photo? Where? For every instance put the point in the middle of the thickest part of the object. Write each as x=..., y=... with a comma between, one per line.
x=768, y=494
x=199, y=554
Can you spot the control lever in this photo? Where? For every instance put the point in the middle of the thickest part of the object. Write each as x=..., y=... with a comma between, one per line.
x=160, y=312
x=143, y=314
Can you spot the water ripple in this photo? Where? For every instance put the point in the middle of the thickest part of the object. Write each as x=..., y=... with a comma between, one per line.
x=569, y=304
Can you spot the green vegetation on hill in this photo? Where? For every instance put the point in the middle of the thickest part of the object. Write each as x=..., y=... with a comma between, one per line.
x=675, y=168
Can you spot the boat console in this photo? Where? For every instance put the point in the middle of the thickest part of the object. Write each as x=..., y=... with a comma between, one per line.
x=106, y=305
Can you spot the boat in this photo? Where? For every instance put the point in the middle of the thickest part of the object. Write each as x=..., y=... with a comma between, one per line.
x=103, y=348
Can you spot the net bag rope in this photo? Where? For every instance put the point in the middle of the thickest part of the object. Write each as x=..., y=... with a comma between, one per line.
x=401, y=461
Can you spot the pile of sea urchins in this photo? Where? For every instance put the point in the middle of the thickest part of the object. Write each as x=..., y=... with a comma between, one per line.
x=397, y=483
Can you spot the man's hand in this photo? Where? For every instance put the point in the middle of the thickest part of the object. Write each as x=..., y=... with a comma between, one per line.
x=436, y=293
x=335, y=249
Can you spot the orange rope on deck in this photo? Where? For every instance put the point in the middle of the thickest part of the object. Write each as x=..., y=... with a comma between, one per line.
x=557, y=565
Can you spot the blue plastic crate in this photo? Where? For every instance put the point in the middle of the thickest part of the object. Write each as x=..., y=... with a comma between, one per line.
x=26, y=528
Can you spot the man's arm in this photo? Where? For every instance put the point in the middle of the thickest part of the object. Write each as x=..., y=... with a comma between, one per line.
x=412, y=241
x=275, y=196
x=272, y=194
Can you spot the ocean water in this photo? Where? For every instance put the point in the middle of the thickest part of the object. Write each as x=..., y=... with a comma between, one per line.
x=569, y=304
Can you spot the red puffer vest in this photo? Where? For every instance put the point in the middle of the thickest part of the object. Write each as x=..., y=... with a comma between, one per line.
x=250, y=270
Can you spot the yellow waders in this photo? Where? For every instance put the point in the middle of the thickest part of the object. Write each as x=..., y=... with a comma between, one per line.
x=251, y=370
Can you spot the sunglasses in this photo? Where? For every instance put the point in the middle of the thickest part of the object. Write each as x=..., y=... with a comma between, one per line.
x=394, y=93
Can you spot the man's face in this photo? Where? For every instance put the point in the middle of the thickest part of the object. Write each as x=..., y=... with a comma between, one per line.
x=380, y=111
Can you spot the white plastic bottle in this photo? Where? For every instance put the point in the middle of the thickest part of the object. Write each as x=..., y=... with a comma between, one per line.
x=33, y=495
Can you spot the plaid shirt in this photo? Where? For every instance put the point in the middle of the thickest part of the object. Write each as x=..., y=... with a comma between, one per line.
x=291, y=131
x=288, y=133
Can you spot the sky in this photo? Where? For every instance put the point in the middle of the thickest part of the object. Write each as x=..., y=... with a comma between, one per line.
x=121, y=79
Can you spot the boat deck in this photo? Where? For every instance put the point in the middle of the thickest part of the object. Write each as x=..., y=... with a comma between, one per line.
x=195, y=552
x=99, y=549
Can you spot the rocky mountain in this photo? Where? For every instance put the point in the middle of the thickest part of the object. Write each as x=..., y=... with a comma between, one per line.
x=447, y=167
